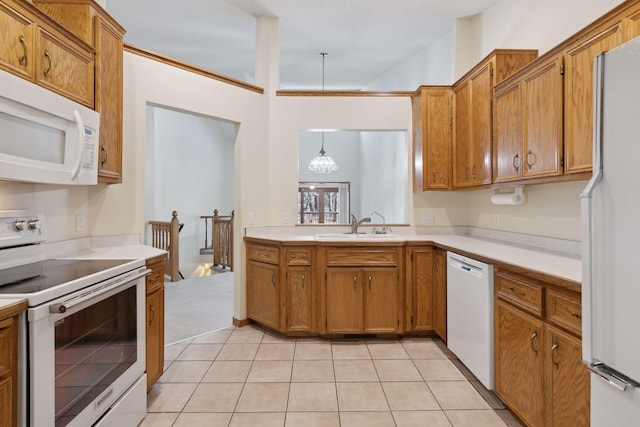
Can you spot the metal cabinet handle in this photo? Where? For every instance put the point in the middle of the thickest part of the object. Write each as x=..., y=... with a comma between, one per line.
x=104, y=154
x=303, y=281
x=355, y=280
x=48, y=70
x=273, y=279
x=370, y=283
x=473, y=172
x=23, y=59
x=517, y=292
x=554, y=347
x=153, y=312
x=533, y=336
x=516, y=162
x=575, y=315
x=535, y=159
x=466, y=172
x=433, y=176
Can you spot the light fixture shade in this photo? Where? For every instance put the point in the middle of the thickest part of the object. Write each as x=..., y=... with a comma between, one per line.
x=322, y=164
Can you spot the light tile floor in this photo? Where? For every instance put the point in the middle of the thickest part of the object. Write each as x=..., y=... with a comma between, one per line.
x=248, y=377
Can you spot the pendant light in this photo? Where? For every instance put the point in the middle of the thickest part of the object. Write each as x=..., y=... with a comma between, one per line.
x=322, y=163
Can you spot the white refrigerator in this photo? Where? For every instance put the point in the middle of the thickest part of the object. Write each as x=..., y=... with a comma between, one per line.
x=610, y=207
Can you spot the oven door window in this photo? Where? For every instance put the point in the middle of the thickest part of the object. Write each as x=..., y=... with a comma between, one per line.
x=93, y=347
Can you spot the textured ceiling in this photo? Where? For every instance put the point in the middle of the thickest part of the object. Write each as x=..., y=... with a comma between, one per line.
x=363, y=38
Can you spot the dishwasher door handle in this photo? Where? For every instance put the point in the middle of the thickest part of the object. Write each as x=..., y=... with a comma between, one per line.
x=466, y=268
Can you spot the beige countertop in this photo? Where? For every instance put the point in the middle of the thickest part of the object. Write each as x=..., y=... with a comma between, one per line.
x=539, y=260
x=118, y=252
x=11, y=307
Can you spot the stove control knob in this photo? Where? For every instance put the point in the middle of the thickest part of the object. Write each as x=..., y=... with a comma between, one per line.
x=20, y=225
x=34, y=224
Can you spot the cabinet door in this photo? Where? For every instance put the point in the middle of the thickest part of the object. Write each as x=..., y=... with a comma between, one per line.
x=344, y=301
x=8, y=371
x=568, y=381
x=298, y=299
x=542, y=148
x=440, y=294
x=64, y=68
x=263, y=302
x=421, y=280
x=155, y=336
x=461, y=134
x=519, y=355
x=438, y=139
x=381, y=301
x=16, y=49
x=507, y=134
x=578, y=125
x=108, y=89
x=481, y=119
x=7, y=408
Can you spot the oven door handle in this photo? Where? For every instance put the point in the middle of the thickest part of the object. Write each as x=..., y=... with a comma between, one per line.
x=63, y=306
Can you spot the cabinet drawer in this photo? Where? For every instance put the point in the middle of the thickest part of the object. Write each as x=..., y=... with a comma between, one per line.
x=267, y=254
x=155, y=279
x=564, y=311
x=362, y=257
x=299, y=256
x=525, y=295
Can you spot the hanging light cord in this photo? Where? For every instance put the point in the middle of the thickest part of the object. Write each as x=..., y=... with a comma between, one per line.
x=322, y=152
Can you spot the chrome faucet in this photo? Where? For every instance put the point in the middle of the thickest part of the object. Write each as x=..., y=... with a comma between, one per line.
x=355, y=223
x=384, y=226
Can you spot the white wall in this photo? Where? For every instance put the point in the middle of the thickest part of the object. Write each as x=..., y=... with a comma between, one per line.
x=384, y=176
x=192, y=161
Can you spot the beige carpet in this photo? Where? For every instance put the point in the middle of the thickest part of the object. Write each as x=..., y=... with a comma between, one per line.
x=196, y=306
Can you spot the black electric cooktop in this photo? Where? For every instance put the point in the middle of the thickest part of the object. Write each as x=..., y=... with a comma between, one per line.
x=41, y=275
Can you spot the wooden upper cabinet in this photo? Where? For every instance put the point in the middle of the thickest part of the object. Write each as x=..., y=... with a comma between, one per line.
x=64, y=67
x=17, y=47
x=631, y=23
x=109, y=65
x=433, y=137
x=578, y=123
x=93, y=25
x=542, y=142
x=528, y=123
x=461, y=134
x=508, y=128
x=473, y=115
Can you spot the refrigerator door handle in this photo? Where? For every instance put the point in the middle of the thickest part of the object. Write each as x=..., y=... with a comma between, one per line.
x=585, y=207
x=612, y=377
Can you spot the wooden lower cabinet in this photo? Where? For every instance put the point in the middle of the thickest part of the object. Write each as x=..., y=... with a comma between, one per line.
x=420, y=289
x=362, y=301
x=539, y=372
x=568, y=381
x=440, y=293
x=263, y=293
x=299, y=299
x=344, y=301
x=9, y=316
x=519, y=363
x=155, y=320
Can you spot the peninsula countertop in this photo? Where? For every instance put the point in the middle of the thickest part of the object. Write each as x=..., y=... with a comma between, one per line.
x=539, y=260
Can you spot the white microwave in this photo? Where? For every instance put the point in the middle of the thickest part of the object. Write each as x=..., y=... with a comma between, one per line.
x=45, y=137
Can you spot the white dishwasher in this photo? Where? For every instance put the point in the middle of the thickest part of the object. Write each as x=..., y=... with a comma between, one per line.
x=470, y=314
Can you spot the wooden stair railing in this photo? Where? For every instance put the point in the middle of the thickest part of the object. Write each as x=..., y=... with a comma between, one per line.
x=164, y=235
x=223, y=240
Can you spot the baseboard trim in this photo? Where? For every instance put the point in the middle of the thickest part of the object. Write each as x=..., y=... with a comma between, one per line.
x=239, y=323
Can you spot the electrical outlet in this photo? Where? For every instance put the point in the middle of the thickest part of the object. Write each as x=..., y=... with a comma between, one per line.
x=428, y=218
x=79, y=223
x=286, y=217
x=251, y=218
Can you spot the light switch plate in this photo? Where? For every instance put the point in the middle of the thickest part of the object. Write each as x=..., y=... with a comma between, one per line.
x=79, y=223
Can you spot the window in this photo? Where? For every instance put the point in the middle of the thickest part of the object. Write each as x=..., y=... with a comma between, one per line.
x=323, y=203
